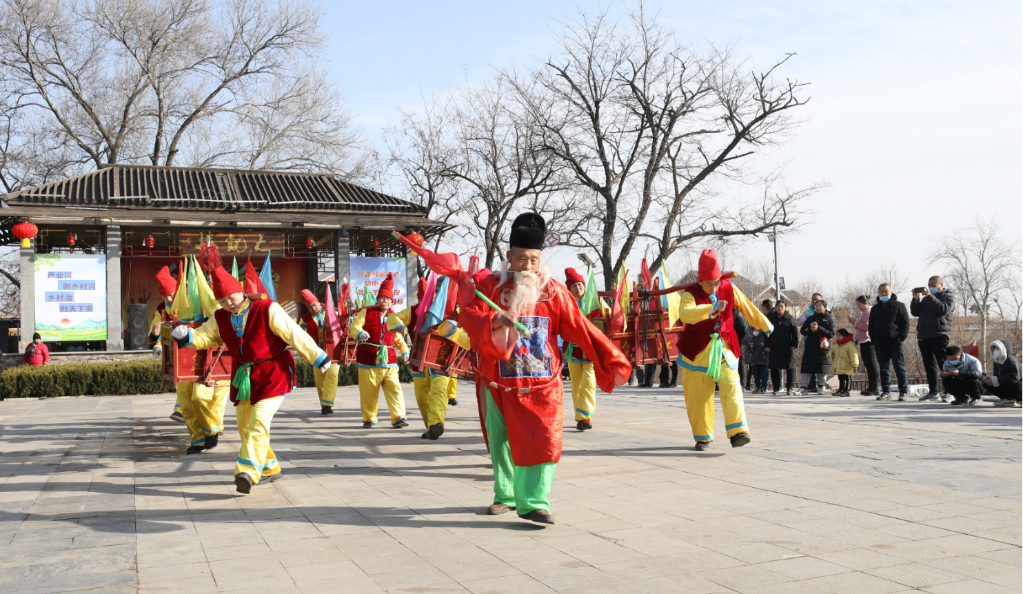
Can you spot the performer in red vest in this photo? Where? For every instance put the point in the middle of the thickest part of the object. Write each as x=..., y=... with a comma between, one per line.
x=163, y=322
x=258, y=333
x=709, y=352
x=378, y=329
x=580, y=369
x=519, y=377
x=326, y=383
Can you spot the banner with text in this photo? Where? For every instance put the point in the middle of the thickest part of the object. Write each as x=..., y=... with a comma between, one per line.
x=368, y=273
x=71, y=296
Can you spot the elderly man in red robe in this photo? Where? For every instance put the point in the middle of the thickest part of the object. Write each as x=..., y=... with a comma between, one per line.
x=519, y=376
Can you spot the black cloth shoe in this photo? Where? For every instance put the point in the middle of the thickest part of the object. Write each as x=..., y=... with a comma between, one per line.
x=266, y=480
x=368, y=425
x=400, y=423
x=196, y=449
x=702, y=446
x=326, y=410
x=177, y=416
x=453, y=402
x=497, y=509
x=436, y=431
x=583, y=425
x=211, y=442
x=739, y=439
x=243, y=484
x=539, y=516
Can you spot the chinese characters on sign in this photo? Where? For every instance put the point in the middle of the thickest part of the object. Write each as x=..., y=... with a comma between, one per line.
x=70, y=297
x=243, y=243
x=368, y=273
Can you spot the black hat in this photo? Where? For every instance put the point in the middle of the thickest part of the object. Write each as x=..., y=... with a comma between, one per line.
x=528, y=231
x=37, y=336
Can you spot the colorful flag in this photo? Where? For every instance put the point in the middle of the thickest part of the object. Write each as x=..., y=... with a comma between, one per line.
x=618, y=318
x=590, y=302
x=647, y=279
x=435, y=313
x=368, y=298
x=447, y=265
x=330, y=316
x=624, y=300
x=266, y=276
x=424, y=305
x=206, y=299
x=234, y=270
x=182, y=306
x=252, y=282
x=672, y=301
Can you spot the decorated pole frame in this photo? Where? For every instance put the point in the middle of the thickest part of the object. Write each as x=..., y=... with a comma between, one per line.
x=191, y=365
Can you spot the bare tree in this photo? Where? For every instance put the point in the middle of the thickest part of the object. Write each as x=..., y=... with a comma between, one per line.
x=10, y=286
x=171, y=82
x=979, y=265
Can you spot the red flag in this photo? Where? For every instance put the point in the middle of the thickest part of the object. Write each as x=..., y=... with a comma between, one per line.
x=252, y=283
x=645, y=270
x=617, y=317
x=447, y=265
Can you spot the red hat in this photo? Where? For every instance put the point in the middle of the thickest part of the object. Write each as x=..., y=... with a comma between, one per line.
x=224, y=284
x=386, y=288
x=710, y=268
x=421, y=290
x=572, y=277
x=167, y=283
x=309, y=297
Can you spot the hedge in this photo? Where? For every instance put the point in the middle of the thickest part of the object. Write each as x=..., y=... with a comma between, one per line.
x=127, y=377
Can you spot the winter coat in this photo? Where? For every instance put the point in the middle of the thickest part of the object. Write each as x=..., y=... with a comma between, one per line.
x=968, y=366
x=741, y=332
x=781, y=342
x=37, y=354
x=862, y=326
x=889, y=322
x=1007, y=370
x=935, y=312
x=757, y=340
x=845, y=358
x=815, y=358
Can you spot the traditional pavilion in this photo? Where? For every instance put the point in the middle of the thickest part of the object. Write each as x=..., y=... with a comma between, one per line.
x=140, y=218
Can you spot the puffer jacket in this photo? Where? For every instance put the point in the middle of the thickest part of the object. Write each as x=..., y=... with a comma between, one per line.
x=844, y=358
x=935, y=312
x=1006, y=367
x=781, y=342
x=36, y=354
x=815, y=359
x=889, y=322
x=967, y=365
x=862, y=326
x=757, y=340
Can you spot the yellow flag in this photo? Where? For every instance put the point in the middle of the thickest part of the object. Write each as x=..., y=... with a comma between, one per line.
x=182, y=306
x=206, y=299
x=674, y=300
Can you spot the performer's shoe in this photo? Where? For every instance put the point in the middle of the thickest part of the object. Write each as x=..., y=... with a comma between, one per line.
x=497, y=509
x=436, y=430
x=243, y=484
x=583, y=425
x=539, y=516
x=326, y=410
x=453, y=402
x=702, y=446
x=739, y=439
x=177, y=416
x=196, y=449
x=426, y=434
x=211, y=442
x=400, y=423
x=368, y=425
x=266, y=480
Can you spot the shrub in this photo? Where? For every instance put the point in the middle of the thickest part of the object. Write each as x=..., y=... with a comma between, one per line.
x=80, y=379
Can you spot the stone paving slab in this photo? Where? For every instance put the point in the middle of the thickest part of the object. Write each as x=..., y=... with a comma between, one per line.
x=833, y=496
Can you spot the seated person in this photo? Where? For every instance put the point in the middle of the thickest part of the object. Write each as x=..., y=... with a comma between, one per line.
x=961, y=375
x=1005, y=382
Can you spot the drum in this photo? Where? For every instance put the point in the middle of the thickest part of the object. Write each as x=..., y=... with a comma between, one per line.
x=190, y=365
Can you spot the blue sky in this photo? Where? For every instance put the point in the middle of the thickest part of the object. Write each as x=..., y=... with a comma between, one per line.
x=915, y=118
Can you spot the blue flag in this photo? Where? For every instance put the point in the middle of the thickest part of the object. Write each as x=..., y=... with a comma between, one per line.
x=435, y=315
x=266, y=276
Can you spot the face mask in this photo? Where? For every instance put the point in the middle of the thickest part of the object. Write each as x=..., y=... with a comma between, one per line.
x=933, y=290
x=885, y=298
x=756, y=333
x=957, y=362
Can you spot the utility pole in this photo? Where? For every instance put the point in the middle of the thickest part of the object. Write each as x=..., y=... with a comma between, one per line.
x=777, y=286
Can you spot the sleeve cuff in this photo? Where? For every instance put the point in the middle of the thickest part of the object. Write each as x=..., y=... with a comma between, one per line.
x=994, y=380
x=323, y=358
x=186, y=342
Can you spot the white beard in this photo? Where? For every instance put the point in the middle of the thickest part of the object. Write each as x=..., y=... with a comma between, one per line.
x=526, y=293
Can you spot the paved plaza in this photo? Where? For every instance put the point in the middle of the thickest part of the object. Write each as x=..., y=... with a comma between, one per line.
x=833, y=495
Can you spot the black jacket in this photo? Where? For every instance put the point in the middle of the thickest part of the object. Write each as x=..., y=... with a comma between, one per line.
x=781, y=342
x=935, y=313
x=815, y=359
x=1007, y=373
x=889, y=322
x=741, y=331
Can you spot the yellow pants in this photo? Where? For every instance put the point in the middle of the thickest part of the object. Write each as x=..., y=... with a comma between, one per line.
x=326, y=385
x=203, y=409
x=432, y=393
x=371, y=379
x=453, y=388
x=256, y=458
x=584, y=390
x=698, y=389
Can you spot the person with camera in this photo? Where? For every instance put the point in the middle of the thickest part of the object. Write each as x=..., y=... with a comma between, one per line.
x=889, y=329
x=935, y=308
x=819, y=329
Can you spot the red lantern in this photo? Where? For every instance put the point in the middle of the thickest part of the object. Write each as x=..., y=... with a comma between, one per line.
x=71, y=241
x=25, y=232
x=416, y=239
x=376, y=246
x=150, y=242
x=310, y=243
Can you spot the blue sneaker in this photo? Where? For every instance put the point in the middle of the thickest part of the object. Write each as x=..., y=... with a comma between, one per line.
x=929, y=397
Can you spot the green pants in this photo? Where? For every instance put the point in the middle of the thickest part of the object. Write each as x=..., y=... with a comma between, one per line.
x=524, y=488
